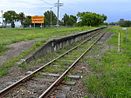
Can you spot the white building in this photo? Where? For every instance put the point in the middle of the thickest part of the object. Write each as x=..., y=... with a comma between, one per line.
x=0, y=21
x=17, y=24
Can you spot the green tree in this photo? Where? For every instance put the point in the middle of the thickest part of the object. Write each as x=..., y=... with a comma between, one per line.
x=90, y=19
x=27, y=21
x=65, y=20
x=50, y=18
x=104, y=17
x=124, y=23
x=69, y=20
x=21, y=18
x=72, y=20
x=10, y=17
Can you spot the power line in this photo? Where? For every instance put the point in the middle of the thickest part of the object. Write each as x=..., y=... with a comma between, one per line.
x=48, y=7
x=58, y=5
x=46, y=2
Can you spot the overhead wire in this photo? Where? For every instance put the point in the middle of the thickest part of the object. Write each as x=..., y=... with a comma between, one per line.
x=46, y=2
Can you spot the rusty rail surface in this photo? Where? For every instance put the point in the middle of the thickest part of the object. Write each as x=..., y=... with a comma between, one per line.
x=58, y=81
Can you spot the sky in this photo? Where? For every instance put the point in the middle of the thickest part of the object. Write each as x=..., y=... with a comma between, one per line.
x=113, y=9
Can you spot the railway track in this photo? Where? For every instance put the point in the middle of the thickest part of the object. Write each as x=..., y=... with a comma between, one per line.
x=36, y=84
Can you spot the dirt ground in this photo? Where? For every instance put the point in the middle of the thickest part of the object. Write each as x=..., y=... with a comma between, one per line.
x=15, y=72
x=15, y=50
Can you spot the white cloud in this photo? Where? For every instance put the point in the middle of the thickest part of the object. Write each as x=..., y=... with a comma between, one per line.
x=37, y=7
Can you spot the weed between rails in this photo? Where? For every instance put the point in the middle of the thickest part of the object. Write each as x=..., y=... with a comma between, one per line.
x=63, y=63
x=9, y=36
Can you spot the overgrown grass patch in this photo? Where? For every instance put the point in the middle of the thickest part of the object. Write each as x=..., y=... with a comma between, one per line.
x=110, y=75
x=3, y=48
x=9, y=36
x=46, y=58
x=63, y=63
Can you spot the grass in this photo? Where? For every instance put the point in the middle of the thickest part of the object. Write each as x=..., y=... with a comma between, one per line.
x=9, y=36
x=64, y=62
x=111, y=74
x=47, y=58
x=51, y=56
x=2, y=49
x=12, y=62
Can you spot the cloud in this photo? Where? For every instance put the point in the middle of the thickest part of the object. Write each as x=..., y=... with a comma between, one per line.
x=114, y=9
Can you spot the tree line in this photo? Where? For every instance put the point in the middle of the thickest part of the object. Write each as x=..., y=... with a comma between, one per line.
x=81, y=19
x=122, y=23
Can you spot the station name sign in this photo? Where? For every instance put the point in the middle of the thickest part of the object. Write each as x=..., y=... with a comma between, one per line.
x=37, y=19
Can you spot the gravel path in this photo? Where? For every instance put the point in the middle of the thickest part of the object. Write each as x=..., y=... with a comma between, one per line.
x=15, y=50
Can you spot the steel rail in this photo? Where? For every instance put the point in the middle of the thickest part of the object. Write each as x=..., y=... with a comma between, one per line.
x=59, y=80
x=27, y=77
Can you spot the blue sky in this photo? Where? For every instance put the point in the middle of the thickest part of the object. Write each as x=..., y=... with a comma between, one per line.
x=114, y=9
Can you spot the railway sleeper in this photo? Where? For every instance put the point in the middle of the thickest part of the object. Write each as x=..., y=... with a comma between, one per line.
x=57, y=75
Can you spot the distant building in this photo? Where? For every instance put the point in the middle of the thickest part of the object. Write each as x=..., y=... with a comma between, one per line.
x=0, y=21
x=17, y=24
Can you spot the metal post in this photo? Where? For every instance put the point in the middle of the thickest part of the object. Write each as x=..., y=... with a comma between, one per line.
x=34, y=25
x=119, y=42
x=58, y=9
x=126, y=36
x=41, y=26
x=51, y=17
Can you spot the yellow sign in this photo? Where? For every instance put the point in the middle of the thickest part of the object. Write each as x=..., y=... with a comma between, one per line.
x=37, y=19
